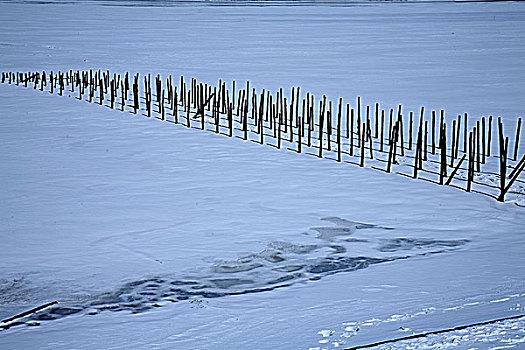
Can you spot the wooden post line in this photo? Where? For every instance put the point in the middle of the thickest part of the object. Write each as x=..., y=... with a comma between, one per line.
x=327, y=129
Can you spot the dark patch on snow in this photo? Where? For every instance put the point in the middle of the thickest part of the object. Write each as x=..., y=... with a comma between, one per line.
x=280, y=265
x=343, y=264
x=229, y=282
x=394, y=245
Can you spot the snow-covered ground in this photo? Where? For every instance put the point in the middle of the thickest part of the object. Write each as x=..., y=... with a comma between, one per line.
x=151, y=235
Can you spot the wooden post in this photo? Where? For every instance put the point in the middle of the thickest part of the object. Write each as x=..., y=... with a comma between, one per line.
x=274, y=118
x=382, y=130
x=420, y=131
x=245, y=121
x=395, y=138
x=301, y=122
x=158, y=88
x=146, y=96
x=193, y=96
x=261, y=112
x=188, y=101
x=122, y=101
x=456, y=146
x=91, y=89
x=478, y=158
x=351, y=151
x=290, y=119
x=149, y=100
x=80, y=90
x=182, y=91
x=452, y=151
x=410, y=126
x=101, y=92
x=136, y=103
x=483, y=140
x=359, y=121
x=215, y=109
x=425, y=142
x=339, y=130
x=200, y=103
x=465, y=127
x=401, y=130
x=362, y=143
x=269, y=111
x=517, y=139
x=233, y=95
x=489, y=137
x=329, y=125
x=310, y=121
x=162, y=109
x=260, y=126
x=240, y=102
x=370, y=140
x=175, y=106
x=391, y=149
x=230, y=118
x=261, y=123
x=281, y=110
x=502, y=160
x=367, y=123
x=254, y=107
x=106, y=81
x=299, y=141
x=376, y=124
x=470, y=173
x=433, y=132
x=443, y=152
x=306, y=115
x=348, y=120
x=297, y=99
x=321, y=126
x=126, y=84
x=112, y=94
x=390, y=126
x=59, y=80
x=247, y=103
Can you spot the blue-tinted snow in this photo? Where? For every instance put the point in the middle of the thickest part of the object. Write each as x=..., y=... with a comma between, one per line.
x=112, y=214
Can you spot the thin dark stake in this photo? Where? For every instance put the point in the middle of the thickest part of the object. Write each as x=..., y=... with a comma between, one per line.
x=339, y=130
x=517, y=139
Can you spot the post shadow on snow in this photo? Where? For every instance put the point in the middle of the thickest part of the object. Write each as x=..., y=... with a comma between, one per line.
x=280, y=265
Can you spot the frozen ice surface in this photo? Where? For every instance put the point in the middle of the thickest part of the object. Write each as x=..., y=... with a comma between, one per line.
x=153, y=236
